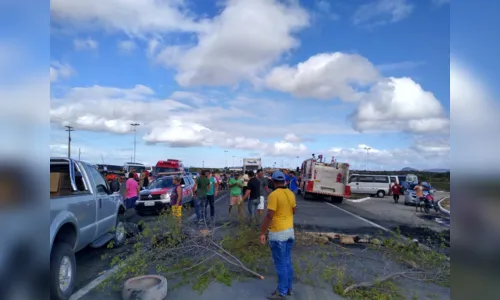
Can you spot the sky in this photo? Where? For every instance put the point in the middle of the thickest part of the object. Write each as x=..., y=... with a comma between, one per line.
x=211, y=83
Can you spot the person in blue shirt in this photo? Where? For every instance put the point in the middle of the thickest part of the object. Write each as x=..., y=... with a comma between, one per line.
x=287, y=178
x=294, y=184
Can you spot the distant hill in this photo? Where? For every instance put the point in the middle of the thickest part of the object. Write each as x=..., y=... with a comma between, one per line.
x=437, y=170
x=406, y=169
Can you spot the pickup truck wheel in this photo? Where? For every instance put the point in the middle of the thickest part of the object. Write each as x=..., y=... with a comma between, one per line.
x=120, y=232
x=62, y=271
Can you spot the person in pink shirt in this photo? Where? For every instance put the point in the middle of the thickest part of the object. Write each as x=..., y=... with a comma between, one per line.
x=132, y=193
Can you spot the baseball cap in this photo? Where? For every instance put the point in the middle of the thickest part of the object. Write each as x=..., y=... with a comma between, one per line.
x=278, y=176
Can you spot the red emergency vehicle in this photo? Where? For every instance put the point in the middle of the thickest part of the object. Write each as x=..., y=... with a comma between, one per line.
x=325, y=179
x=168, y=167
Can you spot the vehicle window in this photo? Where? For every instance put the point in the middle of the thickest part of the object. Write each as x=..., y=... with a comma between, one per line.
x=162, y=183
x=190, y=180
x=353, y=179
x=401, y=179
x=99, y=180
x=381, y=179
x=365, y=178
x=166, y=170
x=183, y=181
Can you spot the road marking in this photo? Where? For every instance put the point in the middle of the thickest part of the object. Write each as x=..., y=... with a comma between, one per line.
x=360, y=218
x=94, y=283
x=359, y=200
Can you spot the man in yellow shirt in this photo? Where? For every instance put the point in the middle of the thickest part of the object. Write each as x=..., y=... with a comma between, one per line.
x=281, y=207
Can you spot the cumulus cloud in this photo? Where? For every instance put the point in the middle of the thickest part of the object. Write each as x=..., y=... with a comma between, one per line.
x=85, y=44
x=165, y=121
x=382, y=12
x=238, y=44
x=325, y=76
x=423, y=154
x=126, y=46
x=400, y=104
x=60, y=71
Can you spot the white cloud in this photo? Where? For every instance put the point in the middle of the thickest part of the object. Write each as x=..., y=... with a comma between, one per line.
x=381, y=12
x=60, y=71
x=325, y=76
x=126, y=46
x=400, y=104
x=167, y=121
x=425, y=153
x=238, y=44
x=292, y=138
x=85, y=44
x=137, y=18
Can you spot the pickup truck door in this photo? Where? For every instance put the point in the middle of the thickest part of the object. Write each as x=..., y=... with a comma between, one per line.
x=106, y=204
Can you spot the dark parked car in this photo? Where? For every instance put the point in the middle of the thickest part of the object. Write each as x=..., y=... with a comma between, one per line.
x=156, y=197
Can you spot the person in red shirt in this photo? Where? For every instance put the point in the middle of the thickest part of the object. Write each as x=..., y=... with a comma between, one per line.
x=395, y=191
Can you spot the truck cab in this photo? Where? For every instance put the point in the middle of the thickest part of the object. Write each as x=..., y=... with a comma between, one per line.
x=83, y=212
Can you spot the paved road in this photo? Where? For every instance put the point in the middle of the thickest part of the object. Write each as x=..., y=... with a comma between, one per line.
x=311, y=215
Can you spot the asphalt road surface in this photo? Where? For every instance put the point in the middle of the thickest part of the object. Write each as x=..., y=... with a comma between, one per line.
x=310, y=215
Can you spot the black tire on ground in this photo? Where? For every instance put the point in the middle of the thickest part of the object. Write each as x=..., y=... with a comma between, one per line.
x=426, y=209
x=381, y=194
x=307, y=196
x=119, y=239
x=59, y=251
x=337, y=199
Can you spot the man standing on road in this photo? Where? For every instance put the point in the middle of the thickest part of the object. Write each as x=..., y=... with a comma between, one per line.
x=281, y=208
x=264, y=191
x=212, y=193
x=200, y=188
x=252, y=194
x=294, y=186
x=287, y=178
x=235, y=185
x=395, y=191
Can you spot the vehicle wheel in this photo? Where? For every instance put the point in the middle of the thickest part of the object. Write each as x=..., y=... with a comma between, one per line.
x=307, y=196
x=426, y=209
x=120, y=232
x=62, y=271
x=381, y=194
x=337, y=200
x=436, y=208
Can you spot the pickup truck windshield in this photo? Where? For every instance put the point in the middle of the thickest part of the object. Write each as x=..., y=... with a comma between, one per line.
x=161, y=183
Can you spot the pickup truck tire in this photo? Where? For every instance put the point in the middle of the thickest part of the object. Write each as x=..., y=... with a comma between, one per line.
x=120, y=232
x=62, y=258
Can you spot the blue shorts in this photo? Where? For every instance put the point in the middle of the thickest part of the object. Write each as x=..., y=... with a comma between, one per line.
x=130, y=202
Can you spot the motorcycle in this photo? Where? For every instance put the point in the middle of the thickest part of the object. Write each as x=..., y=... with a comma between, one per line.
x=428, y=203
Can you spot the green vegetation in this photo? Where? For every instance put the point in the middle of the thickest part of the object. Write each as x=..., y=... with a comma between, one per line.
x=188, y=256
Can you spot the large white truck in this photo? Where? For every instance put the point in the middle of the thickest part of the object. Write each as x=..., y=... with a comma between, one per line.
x=324, y=179
x=252, y=164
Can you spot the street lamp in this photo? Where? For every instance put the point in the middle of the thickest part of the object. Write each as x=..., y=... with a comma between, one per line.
x=225, y=159
x=135, y=135
x=366, y=164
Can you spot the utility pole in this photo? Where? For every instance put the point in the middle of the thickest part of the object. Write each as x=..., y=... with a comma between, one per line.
x=135, y=136
x=225, y=159
x=366, y=164
x=69, y=129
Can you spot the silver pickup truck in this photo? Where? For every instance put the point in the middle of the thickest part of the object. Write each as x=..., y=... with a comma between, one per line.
x=83, y=212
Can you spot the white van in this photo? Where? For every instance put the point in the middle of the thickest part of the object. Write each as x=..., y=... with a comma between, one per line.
x=369, y=184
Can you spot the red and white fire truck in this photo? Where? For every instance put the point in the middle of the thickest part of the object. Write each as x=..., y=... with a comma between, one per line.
x=320, y=178
x=168, y=167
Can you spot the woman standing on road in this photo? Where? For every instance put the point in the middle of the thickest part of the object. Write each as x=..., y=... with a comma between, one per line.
x=176, y=198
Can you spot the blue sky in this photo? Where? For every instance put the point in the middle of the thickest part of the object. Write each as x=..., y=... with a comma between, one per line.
x=273, y=79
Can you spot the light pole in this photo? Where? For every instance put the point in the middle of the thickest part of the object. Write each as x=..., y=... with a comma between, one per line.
x=225, y=159
x=69, y=129
x=366, y=164
x=135, y=136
